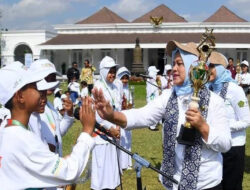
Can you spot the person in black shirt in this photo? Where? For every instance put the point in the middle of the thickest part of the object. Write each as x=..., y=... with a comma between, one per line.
x=73, y=72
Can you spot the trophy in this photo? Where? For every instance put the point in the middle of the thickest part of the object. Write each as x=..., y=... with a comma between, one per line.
x=199, y=76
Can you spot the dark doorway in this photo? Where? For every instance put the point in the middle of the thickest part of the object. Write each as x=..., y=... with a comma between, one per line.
x=20, y=52
x=160, y=66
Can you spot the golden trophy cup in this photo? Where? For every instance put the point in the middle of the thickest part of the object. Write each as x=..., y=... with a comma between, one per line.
x=199, y=76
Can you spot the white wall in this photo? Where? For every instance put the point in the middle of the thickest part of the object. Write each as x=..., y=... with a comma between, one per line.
x=11, y=39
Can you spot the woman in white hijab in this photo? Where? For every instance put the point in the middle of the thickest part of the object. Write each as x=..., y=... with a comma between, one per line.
x=123, y=76
x=105, y=165
x=152, y=89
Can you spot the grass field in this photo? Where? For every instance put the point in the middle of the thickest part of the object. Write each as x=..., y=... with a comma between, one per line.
x=147, y=144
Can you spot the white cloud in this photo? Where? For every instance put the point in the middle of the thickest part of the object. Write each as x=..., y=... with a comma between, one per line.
x=32, y=9
x=195, y=17
x=132, y=9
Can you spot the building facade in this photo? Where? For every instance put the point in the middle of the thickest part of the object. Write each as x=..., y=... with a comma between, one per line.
x=106, y=33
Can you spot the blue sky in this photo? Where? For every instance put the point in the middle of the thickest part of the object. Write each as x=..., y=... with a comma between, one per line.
x=42, y=14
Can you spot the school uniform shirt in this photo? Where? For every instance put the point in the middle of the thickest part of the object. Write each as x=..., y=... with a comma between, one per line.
x=126, y=136
x=58, y=105
x=238, y=113
x=112, y=94
x=4, y=115
x=26, y=162
x=49, y=128
x=244, y=78
x=152, y=91
x=74, y=87
x=105, y=170
x=219, y=138
x=84, y=92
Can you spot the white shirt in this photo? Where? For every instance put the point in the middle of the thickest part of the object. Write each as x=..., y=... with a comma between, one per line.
x=111, y=93
x=152, y=91
x=75, y=87
x=40, y=125
x=58, y=105
x=4, y=115
x=238, y=113
x=219, y=138
x=243, y=78
x=84, y=92
x=26, y=162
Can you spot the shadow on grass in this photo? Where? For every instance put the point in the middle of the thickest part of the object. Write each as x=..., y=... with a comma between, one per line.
x=155, y=163
x=247, y=164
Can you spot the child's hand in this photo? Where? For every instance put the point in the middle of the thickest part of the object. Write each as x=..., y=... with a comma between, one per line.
x=87, y=115
x=68, y=106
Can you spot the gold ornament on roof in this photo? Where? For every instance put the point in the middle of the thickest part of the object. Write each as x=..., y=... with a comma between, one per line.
x=156, y=21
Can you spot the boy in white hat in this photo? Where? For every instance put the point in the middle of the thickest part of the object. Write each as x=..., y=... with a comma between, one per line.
x=152, y=89
x=244, y=78
x=123, y=75
x=48, y=124
x=26, y=162
x=105, y=168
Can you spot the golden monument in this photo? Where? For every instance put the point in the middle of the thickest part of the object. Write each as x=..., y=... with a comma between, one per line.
x=199, y=76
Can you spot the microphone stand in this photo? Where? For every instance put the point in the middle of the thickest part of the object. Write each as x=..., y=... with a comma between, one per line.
x=139, y=161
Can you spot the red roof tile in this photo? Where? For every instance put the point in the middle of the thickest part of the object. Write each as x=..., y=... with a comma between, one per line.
x=103, y=16
x=161, y=10
x=78, y=39
x=223, y=14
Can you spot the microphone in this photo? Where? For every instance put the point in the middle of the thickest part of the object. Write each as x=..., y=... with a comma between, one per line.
x=145, y=76
x=97, y=125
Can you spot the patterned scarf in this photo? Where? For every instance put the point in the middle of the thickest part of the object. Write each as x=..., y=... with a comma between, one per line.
x=192, y=155
x=223, y=91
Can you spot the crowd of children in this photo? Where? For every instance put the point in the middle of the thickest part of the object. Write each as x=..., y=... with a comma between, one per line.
x=31, y=127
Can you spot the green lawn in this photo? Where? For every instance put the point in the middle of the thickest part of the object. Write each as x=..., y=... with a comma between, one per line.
x=149, y=145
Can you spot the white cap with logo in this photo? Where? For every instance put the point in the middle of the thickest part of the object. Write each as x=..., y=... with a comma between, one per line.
x=42, y=68
x=13, y=77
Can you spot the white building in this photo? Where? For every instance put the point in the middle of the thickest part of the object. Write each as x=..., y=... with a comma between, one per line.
x=106, y=33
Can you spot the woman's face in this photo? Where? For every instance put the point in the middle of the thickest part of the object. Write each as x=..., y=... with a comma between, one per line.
x=124, y=80
x=213, y=72
x=111, y=75
x=179, y=73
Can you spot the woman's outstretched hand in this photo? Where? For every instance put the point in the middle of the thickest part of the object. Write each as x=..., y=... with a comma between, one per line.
x=102, y=106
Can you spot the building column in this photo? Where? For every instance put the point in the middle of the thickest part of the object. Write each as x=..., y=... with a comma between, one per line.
x=145, y=59
x=69, y=58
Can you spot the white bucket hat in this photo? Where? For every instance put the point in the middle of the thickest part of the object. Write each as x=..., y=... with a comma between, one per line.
x=107, y=62
x=13, y=77
x=57, y=90
x=122, y=71
x=42, y=68
x=153, y=69
x=168, y=67
x=245, y=63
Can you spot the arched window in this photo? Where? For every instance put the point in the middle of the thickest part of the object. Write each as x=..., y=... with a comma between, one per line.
x=20, y=52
